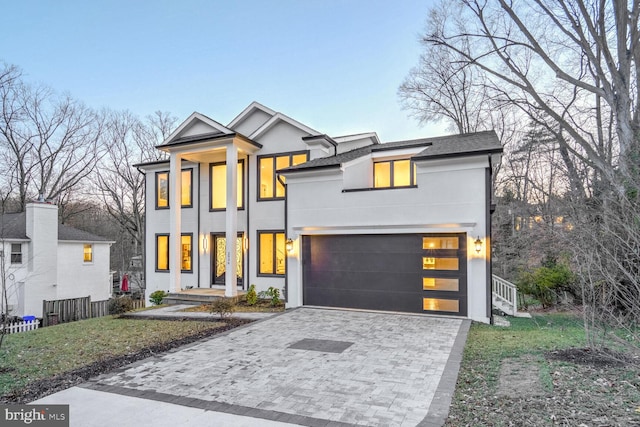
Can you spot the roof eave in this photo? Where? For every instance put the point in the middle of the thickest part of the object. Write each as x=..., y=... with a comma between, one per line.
x=461, y=154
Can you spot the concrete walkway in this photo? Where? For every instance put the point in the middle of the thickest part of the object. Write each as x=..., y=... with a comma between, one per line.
x=308, y=367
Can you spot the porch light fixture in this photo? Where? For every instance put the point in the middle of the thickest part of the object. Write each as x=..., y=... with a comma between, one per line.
x=478, y=244
x=204, y=243
x=245, y=243
x=289, y=245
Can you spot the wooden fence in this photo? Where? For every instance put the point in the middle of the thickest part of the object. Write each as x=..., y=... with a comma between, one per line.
x=72, y=309
x=22, y=326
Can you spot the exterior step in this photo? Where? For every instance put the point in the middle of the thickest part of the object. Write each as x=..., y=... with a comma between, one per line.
x=194, y=299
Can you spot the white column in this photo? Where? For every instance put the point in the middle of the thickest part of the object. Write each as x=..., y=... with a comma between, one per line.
x=175, y=221
x=231, y=277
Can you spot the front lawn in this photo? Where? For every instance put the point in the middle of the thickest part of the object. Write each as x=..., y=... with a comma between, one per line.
x=524, y=375
x=95, y=344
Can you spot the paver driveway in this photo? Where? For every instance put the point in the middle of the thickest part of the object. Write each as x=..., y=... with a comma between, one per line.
x=307, y=366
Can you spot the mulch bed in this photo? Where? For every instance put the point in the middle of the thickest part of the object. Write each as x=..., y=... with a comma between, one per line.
x=47, y=386
x=592, y=357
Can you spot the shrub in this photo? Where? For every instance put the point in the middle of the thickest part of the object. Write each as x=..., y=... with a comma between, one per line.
x=545, y=282
x=272, y=294
x=224, y=307
x=156, y=297
x=252, y=296
x=120, y=305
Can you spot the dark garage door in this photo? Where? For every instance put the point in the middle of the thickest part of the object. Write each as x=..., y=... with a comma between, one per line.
x=404, y=272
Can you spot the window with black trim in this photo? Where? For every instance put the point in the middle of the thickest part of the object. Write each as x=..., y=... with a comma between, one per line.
x=269, y=187
x=186, y=193
x=16, y=253
x=185, y=252
x=162, y=189
x=218, y=185
x=271, y=253
x=162, y=252
x=394, y=173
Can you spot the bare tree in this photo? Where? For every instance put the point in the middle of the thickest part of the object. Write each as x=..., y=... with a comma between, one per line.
x=129, y=141
x=50, y=143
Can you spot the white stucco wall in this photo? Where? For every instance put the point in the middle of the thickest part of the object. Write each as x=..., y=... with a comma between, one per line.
x=450, y=197
x=249, y=125
x=77, y=278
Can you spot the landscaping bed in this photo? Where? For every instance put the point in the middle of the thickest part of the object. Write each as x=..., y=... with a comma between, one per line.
x=262, y=306
x=538, y=372
x=41, y=362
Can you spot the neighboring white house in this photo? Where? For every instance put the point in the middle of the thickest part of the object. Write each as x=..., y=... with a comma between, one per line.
x=45, y=260
x=341, y=222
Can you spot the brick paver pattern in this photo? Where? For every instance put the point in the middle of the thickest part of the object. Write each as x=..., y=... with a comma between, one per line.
x=387, y=377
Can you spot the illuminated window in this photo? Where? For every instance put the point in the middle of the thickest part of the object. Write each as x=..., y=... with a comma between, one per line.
x=16, y=253
x=439, y=243
x=162, y=252
x=272, y=253
x=218, y=185
x=269, y=186
x=185, y=252
x=440, y=304
x=437, y=284
x=394, y=173
x=162, y=190
x=88, y=253
x=187, y=175
x=430, y=263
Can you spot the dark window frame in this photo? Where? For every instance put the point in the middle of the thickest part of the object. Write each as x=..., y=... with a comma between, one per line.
x=167, y=235
x=275, y=174
x=157, y=185
x=242, y=163
x=274, y=260
x=412, y=171
x=16, y=257
x=190, y=253
x=190, y=205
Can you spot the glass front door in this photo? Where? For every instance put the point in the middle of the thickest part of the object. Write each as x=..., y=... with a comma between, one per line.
x=219, y=255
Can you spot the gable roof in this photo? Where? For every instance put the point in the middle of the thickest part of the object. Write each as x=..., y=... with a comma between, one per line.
x=436, y=147
x=218, y=130
x=247, y=112
x=14, y=226
x=277, y=118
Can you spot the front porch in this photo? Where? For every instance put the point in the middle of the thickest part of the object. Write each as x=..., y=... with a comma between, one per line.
x=197, y=296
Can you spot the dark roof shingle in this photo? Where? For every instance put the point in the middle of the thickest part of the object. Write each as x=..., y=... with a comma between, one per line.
x=14, y=226
x=441, y=146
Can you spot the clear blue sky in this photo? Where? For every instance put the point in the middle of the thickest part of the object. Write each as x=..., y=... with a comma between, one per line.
x=334, y=65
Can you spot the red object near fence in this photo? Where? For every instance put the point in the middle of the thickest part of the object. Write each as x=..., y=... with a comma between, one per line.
x=124, y=286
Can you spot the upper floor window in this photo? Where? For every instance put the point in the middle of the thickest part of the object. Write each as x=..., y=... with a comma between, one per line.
x=394, y=173
x=162, y=189
x=269, y=186
x=218, y=185
x=16, y=253
x=88, y=253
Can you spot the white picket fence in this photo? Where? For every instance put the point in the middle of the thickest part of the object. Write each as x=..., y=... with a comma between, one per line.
x=15, y=327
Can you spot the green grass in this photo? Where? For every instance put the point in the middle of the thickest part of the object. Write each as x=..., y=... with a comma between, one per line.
x=56, y=349
x=487, y=345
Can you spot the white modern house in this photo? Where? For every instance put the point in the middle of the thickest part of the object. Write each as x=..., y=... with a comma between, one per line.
x=45, y=260
x=342, y=221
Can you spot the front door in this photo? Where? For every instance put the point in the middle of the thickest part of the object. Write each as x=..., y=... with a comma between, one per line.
x=218, y=259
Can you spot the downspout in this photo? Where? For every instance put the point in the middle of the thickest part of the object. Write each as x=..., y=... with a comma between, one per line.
x=198, y=238
x=286, y=235
x=488, y=241
x=247, y=232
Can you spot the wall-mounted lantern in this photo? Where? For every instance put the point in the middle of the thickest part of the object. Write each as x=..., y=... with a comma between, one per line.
x=478, y=245
x=289, y=245
x=205, y=243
